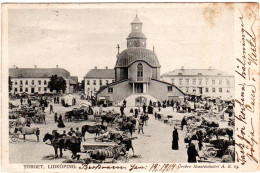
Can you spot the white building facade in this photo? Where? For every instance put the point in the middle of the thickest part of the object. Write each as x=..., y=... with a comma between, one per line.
x=207, y=82
x=96, y=78
x=35, y=80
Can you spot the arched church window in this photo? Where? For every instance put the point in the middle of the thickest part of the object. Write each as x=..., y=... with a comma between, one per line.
x=139, y=72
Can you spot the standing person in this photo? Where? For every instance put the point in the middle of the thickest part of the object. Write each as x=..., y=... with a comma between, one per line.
x=136, y=113
x=54, y=100
x=144, y=108
x=146, y=118
x=192, y=153
x=100, y=109
x=56, y=117
x=175, y=139
x=71, y=132
x=58, y=100
x=78, y=133
x=60, y=118
x=124, y=103
x=21, y=100
x=183, y=122
x=140, y=125
x=51, y=109
x=64, y=133
x=122, y=110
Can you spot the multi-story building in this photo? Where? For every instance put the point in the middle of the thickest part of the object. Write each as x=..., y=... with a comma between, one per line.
x=207, y=82
x=35, y=80
x=97, y=78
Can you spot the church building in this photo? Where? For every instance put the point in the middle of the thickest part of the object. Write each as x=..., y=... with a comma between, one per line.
x=137, y=74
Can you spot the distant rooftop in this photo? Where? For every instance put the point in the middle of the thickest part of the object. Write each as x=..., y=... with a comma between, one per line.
x=101, y=74
x=37, y=72
x=196, y=72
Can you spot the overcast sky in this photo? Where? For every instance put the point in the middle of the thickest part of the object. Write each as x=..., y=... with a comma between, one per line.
x=80, y=39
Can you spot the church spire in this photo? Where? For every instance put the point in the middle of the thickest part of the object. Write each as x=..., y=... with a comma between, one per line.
x=136, y=20
x=136, y=38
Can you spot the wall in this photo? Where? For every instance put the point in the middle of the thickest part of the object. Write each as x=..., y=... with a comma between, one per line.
x=39, y=88
x=91, y=88
x=159, y=90
x=121, y=91
x=189, y=87
x=147, y=71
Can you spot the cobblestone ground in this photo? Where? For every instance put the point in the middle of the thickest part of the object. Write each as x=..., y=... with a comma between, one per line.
x=153, y=146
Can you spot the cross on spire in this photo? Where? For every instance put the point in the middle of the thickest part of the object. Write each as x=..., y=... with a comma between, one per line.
x=118, y=47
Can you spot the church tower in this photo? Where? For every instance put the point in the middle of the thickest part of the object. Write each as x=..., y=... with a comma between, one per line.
x=136, y=38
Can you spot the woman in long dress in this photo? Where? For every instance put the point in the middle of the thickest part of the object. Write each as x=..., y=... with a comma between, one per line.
x=175, y=139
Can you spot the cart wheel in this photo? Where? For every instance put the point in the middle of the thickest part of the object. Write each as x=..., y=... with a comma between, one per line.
x=211, y=152
x=14, y=138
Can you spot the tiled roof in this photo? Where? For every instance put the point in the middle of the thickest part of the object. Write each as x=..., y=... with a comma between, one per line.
x=37, y=72
x=130, y=55
x=101, y=74
x=196, y=72
x=74, y=78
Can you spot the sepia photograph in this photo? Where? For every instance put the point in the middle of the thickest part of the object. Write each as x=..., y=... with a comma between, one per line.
x=122, y=83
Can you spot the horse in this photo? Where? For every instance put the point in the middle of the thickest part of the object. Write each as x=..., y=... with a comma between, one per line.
x=220, y=132
x=59, y=142
x=110, y=152
x=92, y=129
x=28, y=131
x=109, y=117
x=209, y=123
x=127, y=126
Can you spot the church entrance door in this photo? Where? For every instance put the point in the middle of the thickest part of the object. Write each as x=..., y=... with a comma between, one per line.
x=139, y=88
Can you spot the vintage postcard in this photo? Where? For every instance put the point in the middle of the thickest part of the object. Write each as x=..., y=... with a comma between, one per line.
x=130, y=87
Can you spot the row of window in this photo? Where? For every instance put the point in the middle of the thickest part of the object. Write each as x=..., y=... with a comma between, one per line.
x=110, y=90
x=213, y=90
x=100, y=82
x=200, y=74
x=34, y=89
x=26, y=82
x=194, y=81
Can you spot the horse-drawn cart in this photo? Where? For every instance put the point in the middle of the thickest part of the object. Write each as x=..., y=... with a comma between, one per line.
x=88, y=146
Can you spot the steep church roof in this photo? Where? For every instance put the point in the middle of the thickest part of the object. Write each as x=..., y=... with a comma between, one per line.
x=136, y=20
x=130, y=55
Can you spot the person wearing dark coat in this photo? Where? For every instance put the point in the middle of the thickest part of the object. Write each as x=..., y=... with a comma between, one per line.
x=144, y=108
x=60, y=118
x=61, y=124
x=175, y=139
x=183, y=122
x=192, y=154
x=55, y=117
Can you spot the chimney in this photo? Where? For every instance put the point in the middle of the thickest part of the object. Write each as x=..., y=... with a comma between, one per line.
x=57, y=66
x=13, y=66
x=182, y=67
x=35, y=66
x=210, y=68
x=153, y=48
x=106, y=67
x=95, y=67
